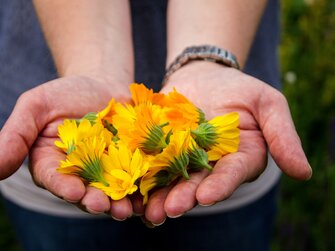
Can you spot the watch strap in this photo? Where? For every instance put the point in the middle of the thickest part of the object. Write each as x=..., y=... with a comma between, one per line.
x=202, y=52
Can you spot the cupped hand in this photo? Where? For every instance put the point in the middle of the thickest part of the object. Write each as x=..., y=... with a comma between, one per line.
x=265, y=124
x=32, y=129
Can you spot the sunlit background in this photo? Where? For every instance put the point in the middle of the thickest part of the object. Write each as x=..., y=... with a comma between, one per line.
x=306, y=215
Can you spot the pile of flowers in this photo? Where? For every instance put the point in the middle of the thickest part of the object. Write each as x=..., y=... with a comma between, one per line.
x=144, y=144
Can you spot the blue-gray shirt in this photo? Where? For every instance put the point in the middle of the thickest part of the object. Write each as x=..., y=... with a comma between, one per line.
x=25, y=60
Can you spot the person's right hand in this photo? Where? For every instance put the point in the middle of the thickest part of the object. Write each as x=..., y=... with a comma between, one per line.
x=31, y=130
x=265, y=125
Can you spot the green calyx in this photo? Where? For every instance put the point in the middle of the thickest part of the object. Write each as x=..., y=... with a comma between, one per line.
x=202, y=118
x=179, y=165
x=164, y=178
x=92, y=171
x=176, y=168
x=110, y=127
x=91, y=116
x=205, y=135
x=155, y=142
x=198, y=159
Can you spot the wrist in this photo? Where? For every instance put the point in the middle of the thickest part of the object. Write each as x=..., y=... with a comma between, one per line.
x=122, y=75
x=122, y=69
x=198, y=72
x=201, y=53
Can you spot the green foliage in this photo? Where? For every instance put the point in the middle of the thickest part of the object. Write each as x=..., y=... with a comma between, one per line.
x=307, y=55
x=307, y=210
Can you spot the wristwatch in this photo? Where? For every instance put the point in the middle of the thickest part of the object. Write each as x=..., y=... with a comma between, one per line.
x=202, y=52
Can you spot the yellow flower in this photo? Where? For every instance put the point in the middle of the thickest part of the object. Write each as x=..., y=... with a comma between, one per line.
x=145, y=144
x=105, y=117
x=67, y=132
x=124, y=118
x=71, y=134
x=148, y=182
x=122, y=170
x=108, y=112
x=170, y=164
x=148, y=132
x=85, y=160
x=173, y=159
x=219, y=136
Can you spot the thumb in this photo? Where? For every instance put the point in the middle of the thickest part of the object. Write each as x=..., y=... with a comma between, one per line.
x=19, y=133
x=281, y=136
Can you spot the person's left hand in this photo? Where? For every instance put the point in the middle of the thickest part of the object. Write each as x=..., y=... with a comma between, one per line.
x=265, y=122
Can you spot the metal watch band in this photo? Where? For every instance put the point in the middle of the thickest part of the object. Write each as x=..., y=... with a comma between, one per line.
x=202, y=52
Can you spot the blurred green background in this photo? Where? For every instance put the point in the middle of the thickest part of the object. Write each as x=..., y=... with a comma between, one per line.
x=306, y=215
x=306, y=218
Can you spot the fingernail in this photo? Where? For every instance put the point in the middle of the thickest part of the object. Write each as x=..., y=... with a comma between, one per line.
x=175, y=216
x=91, y=211
x=206, y=205
x=311, y=171
x=147, y=223
x=118, y=219
x=71, y=201
x=158, y=224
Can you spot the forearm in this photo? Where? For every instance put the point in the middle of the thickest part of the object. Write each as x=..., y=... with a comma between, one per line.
x=229, y=24
x=88, y=37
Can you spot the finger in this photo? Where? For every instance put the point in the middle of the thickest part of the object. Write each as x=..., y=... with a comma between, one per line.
x=182, y=197
x=281, y=136
x=228, y=174
x=95, y=201
x=44, y=161
x=19, y=133
x=155, y=212
x=137, y=203
x=121, y=209
x=234, y=169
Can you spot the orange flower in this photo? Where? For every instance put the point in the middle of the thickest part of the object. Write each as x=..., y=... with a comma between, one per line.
x=180, y=112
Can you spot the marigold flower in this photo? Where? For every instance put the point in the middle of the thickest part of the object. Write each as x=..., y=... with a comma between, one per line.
x=71, y=133
x=173, y=159
x=124, y=118
x=168, y=165
x=198, y=158
x=105, y=117
x=180, y=112
x=141, y=127
x=85, y=160
x=122, y=169
x=148, y=182
x=145, y=144
x=219, y=136
x=141, y=94
x=148, y=133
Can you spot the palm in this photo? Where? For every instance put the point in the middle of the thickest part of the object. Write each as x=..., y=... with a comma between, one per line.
x=33, y=127
x=264, y=122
